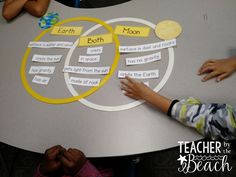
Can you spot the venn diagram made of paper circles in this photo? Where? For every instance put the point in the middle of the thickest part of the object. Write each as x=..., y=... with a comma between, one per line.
x=82, y=96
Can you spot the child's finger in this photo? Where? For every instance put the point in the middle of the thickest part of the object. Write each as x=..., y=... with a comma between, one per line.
x=206, y=70
x=222, y=77
x=205, y=64
x=54, y=154
x=130, y=79
x=126, y=83
x=208, y=61
x=125, y=88
x=50, y=150
x=210, y=75
x=130, y=95
x=65, y=162
x=53, y=151
x=68, y=156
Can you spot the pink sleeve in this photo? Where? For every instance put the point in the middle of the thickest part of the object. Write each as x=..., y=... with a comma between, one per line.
x=88, y=170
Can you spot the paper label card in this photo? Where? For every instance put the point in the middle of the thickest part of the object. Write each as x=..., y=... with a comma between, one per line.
x=143, y=59
x=148, y=47
x=41, y=69
x=150, y=74
x=55, y=44
x=95, y=40
x=41, y=80
x=94, y=50
x=67, y=30
x=47, y=58
x=86, y=70
x=89, y=58
x=84, y=81
x=135, y=31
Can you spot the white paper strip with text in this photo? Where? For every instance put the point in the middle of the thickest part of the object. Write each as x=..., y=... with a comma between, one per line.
x=94, y=50
x=148, y=47
x=54, y=44
x=143, y=59
x=86, y=70
x=89, y=58
x=41, y=80
x=150, y=74
x=47, y=58
x=84, y=81
x=41, y=69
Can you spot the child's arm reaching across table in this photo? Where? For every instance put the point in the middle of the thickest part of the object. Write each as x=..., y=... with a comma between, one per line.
x=138, y=90
x=209, y=119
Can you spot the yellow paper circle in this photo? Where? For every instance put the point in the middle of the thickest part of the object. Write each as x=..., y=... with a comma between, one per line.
x=168, y=29
x=39, y=97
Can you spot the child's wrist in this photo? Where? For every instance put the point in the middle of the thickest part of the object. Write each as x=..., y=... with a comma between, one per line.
x=233, y=59
x=234, y=64
x=149, y=96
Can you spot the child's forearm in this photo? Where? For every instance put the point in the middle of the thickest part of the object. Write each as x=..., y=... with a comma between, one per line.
x=138, y=90
x=234, y=61
x=12, y=8
x=158, y=101
x=37, y=8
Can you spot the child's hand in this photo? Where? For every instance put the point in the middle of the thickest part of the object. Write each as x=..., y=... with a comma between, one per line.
x=218, y=68
x=50, y=161
x=134, y=89
x=72, y=161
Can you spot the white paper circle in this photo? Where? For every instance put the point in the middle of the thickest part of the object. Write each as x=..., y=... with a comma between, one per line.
x=125, y=106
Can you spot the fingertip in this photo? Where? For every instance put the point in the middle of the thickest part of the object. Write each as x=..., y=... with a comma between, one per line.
x=128, y=78
x=122, y=87
x=127, y=94
x=218, y=79
x=122, y=81
x=199, y=72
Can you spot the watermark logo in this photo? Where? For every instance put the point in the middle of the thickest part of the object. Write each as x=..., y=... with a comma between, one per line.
x=204, y=156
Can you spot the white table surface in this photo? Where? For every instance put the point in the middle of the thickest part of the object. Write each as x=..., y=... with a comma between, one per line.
x=208, y=32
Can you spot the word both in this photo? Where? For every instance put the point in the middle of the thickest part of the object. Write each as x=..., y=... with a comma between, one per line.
x=95, y=40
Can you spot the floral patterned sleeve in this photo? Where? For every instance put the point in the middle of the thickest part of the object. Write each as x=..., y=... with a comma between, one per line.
x=209, y=119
